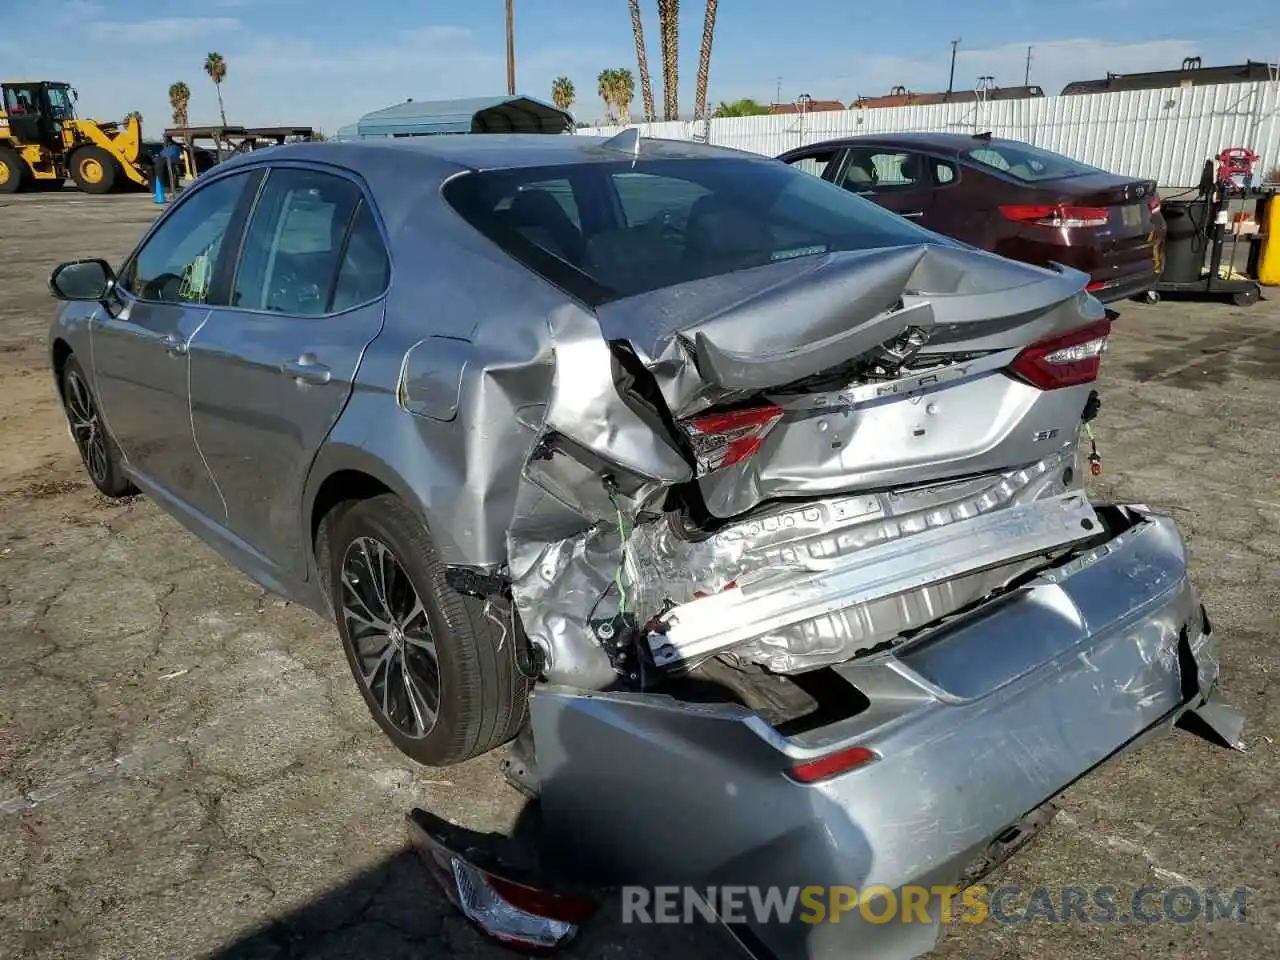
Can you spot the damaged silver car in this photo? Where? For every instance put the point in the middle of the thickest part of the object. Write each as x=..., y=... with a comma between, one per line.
x=750, y=512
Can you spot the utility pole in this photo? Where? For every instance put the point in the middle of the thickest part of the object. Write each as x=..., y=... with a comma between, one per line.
x=777, y=97
x=1026, y=77
x=511, y=49
x=952, y=79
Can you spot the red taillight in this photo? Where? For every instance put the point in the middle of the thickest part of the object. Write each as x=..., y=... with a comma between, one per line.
x=1056, y=215
x=510, y=912
x=1066, y=360
x=542, y=903
x=1153, y=203
x=723, y=439
x=811, y=771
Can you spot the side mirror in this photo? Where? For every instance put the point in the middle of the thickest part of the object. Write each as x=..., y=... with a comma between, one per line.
x=89, y=280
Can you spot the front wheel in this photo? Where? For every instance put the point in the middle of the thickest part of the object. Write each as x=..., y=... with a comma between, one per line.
x=13, y=172
x=439, y=676
x=94, y=170
x=98, y=452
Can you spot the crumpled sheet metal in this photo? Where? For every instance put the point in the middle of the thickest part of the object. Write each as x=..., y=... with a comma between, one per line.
x=556, y=584
x=597, y=461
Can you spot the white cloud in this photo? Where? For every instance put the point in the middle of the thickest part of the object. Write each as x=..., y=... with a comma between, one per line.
x=162, y=30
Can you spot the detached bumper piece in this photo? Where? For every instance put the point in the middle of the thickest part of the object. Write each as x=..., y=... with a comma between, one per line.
x=510, y=904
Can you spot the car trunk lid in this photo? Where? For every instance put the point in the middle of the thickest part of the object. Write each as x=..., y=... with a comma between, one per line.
x=804, y=383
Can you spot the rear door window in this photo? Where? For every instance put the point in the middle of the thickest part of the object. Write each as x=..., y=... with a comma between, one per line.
x=365, y=270
x=293, y=247
x=675, y=221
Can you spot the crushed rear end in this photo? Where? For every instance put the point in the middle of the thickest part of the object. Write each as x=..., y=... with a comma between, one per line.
x=820, y=599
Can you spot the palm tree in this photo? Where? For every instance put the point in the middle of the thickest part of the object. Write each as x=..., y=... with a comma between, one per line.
x=624, y=92
x=180, y=101
x=669, y=29
x=642, y=60
x=562, y=93
x=606, y=86
x=216, y=67
x=511, y=49
x=704, y=61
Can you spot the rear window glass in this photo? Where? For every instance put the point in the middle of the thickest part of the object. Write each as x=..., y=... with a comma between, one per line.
x=1024, y=162
x=604, y=231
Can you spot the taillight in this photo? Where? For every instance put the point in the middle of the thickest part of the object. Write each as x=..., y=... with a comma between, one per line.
x=1153, y=203
x=811, y=771
x=516, y=914
x=1056, y=215
x=723, y=439
x=1065, y=360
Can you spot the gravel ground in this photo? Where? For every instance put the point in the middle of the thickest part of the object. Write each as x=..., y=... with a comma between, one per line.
x=187, y=770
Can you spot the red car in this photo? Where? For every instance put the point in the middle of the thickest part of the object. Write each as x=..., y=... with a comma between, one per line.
x=1007, y=197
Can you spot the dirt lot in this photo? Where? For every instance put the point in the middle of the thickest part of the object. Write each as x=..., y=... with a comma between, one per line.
x=186, y=768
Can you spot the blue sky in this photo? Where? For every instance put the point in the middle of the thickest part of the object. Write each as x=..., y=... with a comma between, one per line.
x=326, y=62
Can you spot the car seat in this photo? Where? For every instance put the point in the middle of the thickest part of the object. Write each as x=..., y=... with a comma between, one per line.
x=540, y=218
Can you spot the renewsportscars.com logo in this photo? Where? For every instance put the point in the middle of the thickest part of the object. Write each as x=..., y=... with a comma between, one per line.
x=1007, y=904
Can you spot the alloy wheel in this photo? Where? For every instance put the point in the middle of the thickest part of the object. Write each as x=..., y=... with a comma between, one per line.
x=86, y=428
x=391, y=637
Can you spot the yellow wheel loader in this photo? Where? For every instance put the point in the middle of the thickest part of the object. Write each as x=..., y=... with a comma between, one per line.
x=42, y=142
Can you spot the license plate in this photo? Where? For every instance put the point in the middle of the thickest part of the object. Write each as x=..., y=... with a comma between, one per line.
x=1131, y=215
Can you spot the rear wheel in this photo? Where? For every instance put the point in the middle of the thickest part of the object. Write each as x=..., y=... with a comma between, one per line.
x=99, y=453
x=94, y=170
x=439, y=676
x=13, y=172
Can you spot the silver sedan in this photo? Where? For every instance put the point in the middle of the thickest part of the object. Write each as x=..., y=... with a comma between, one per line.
x=749, y=513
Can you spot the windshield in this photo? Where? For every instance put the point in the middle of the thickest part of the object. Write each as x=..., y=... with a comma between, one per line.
x=604, y=231
x=60, y=103
x=1024, y=162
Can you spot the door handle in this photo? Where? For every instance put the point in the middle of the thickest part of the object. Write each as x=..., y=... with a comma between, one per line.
x=306, y=369
x=174, y=346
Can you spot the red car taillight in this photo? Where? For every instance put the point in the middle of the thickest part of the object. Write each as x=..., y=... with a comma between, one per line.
x=812, y=771
x=723, y=439
x=1056, y=215
x=1065, y=360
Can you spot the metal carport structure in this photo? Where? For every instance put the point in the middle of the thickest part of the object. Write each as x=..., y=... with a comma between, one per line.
x=421, y=118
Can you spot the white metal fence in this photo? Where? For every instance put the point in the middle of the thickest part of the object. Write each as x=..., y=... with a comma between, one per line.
x=1165, y=135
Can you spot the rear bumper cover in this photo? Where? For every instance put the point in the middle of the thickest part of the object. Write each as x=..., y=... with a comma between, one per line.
x=975, y=727
x=1123, y=288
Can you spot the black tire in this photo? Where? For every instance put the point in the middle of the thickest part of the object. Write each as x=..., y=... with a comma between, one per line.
x=481, y=695
x=98, y=451
x=13, y=176
x=85, y=161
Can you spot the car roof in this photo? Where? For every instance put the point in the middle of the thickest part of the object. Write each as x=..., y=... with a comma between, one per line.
x=940, y=142
x=495, y=151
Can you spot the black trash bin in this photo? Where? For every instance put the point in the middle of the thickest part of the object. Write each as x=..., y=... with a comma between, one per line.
x=1186, y=241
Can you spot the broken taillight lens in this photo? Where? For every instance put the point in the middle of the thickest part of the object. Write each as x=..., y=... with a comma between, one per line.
x=1065, y=360
x=515, y=914
x=725, y=438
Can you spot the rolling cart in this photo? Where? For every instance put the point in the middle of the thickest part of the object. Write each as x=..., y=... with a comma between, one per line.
x=1198, y=230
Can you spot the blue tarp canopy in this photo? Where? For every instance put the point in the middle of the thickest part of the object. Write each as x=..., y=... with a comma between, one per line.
x=416, y=118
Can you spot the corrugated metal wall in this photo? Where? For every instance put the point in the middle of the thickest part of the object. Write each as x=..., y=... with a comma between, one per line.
x=1162, y=134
